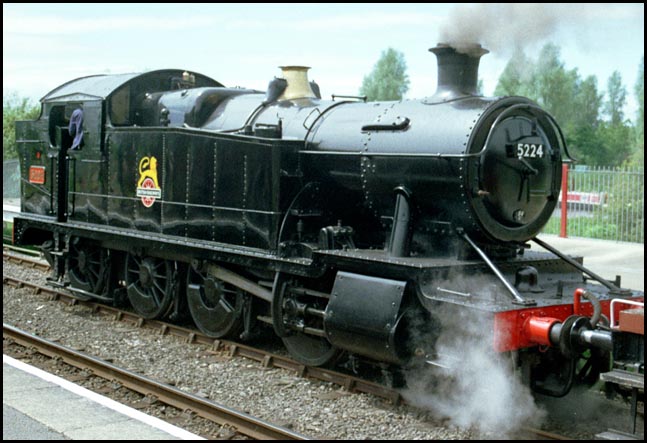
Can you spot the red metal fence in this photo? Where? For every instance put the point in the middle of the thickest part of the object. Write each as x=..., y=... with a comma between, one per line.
x=606, y=203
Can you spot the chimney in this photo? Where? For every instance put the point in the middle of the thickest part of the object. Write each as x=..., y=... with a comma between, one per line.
x=457, y=70
x=298, y=86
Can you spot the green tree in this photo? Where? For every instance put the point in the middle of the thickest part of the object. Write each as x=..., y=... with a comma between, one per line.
x=613, y=147
x=638, y=156
x=389, y=79
x=582, y=136
x=615, y=134
x=586, y=145
x=588, y=103
x=14, y=108
x=553, y=86
x=516, y=76
x=639, y=89
x=617, y=98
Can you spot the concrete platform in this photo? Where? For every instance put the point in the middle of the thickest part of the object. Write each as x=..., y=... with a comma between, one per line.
x=605, y=258
x=37, y=405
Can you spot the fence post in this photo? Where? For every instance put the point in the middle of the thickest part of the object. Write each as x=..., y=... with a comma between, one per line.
x=564, y=218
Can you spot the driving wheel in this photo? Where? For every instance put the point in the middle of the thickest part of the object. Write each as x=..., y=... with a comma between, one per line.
x=88, y=266
x=297, y=316
x=151, y=285
x=216, y=306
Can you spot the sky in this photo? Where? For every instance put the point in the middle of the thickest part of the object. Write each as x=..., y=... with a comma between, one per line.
x=242, y=44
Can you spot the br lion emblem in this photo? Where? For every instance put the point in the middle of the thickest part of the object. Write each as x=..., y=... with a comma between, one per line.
x=148, y=186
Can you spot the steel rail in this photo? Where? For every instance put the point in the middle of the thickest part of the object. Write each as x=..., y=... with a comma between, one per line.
x=244, y=424
x=36, y=264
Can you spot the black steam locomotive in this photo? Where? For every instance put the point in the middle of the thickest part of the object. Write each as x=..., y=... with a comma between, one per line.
x=348, y=227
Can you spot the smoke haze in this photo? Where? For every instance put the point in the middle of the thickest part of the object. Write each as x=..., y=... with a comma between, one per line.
x=477, y=389
x=505, y=27
x=501, y=27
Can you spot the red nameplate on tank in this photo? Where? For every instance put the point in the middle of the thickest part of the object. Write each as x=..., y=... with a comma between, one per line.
x=37, y=175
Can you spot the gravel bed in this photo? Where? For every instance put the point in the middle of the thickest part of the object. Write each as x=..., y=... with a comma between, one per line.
x=316, y=409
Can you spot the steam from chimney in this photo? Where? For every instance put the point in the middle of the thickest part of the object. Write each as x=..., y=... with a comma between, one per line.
x=502, y=28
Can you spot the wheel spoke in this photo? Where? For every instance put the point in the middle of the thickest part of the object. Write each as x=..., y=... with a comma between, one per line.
x=158, y=292
x=94, y=272
x=94, y=262
x=225, y=305
x=156, y=295
x=160, y=269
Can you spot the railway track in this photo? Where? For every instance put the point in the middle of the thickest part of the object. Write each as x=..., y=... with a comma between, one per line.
x=222, y=415
x=232, y=349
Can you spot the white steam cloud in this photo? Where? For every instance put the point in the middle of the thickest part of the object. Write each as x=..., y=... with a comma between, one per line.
x=479, y=389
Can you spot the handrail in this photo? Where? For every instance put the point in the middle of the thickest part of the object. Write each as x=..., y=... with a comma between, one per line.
x=321, y=113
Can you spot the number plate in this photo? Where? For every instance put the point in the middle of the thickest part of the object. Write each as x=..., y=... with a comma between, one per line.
x=530, y=150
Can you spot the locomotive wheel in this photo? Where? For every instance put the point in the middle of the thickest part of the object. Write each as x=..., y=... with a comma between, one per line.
x=296, y=328
x=88, y=267
x=151, y=285
x=216, y=307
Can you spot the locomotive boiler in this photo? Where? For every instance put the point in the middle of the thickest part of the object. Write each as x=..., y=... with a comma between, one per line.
x=347, y=227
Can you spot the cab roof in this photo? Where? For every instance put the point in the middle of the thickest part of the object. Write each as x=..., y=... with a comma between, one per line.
x=102, y=86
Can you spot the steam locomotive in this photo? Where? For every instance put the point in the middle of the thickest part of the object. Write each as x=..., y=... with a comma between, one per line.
x=347, y=227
